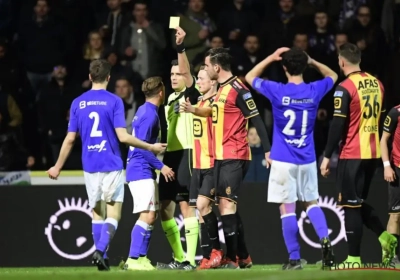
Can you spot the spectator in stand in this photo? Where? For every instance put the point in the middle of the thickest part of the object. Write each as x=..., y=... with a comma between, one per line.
x=257, y=171
x=112, y=22
x=370, y=39
x=9, y=70
x=43, y=44
x=321, y=40
x=143, y=43
x=93, y=49
x=198, y=26
x=248, y=57
x=13, y=155
x=216, y=41
x=132, y=101
x=118, y=70
x=53, y=104
x=235, y=22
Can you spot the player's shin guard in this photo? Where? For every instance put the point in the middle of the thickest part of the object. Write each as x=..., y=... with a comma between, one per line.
x=173, y=235
x=107, y=233
x=318, y=220
x=192, y=237
x=354, y=230
x=242, y=248
x=290, y=231
x=229, y=224
x=146, y=242
x=371, y=220
x=205, y=242
x=211, y=222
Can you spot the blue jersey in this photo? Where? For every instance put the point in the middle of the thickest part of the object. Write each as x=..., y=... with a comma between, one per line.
x=146, y=127
x=295, y=109
x=95, y=115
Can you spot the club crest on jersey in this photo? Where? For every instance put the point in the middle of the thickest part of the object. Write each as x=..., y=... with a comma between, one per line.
x=338, y=94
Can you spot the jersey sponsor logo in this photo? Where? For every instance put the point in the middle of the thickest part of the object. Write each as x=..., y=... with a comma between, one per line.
x=285, y=100
x=82, y=104
x=251, y=104
x=337, y=103
x=338, y=94
x=247, y=96
x=388, y=120
x=98, y=147
x=297, y=142
x=336, y=235
x=61, y=228
x=197, y=128
x=94, y=103
x=181, y=226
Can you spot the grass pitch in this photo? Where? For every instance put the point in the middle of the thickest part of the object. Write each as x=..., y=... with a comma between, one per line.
x=259, y=272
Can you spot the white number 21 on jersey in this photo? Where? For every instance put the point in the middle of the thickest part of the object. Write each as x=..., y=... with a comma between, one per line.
x=288, y=130
x=95, y=132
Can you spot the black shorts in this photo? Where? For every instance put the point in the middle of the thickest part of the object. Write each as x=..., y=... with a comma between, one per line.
x=353, y=180
x=228, y=177
x=181, y=164
x=394, y=194
x=202, y=184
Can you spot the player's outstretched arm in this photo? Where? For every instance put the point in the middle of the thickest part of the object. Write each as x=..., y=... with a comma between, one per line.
x=186, y=107
x=66, y=149
x=183, y=62
x=130, y=140
x=260, y=67
x=323, y=69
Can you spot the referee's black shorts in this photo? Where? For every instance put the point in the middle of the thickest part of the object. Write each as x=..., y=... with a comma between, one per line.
x=181, y=163
x=394, y=194
x=353, y=180
x=228, y=177
x=202, y=184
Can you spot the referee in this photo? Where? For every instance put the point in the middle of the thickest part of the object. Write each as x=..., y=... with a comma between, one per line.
x=178, y=156
x=358, y=104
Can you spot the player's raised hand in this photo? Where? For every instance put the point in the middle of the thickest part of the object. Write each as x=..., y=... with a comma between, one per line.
x=276, y=56
x=389, y=174
x=325, y=167
x=53, y=172
x=169, y=175
x=180, y=35
x=268, y=160
x=186, y=107
x=158, y=148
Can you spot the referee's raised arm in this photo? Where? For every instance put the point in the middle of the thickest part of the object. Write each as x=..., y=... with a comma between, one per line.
x=183, y=62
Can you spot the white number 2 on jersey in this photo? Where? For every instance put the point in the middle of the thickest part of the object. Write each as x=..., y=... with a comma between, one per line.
x=95, y=127
x=288, y=130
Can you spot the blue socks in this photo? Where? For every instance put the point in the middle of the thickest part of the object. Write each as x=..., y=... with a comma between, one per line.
x=107, y=233
x=140, y=239
x=290, y=231
x=318, y=220
x=96, y=232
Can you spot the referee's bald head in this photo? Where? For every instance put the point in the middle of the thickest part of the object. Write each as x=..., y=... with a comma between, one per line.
x=350, y=53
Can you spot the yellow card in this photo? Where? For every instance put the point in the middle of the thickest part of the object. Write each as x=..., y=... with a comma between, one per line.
x=173, y=22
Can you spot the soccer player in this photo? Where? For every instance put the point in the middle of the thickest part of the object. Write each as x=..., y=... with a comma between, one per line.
x=231, y=109
x=179, y=157
x=98, y=116
x=202, y=190
x=391, y=129
x=358, y=104
x=141, y=175
x=294, y=175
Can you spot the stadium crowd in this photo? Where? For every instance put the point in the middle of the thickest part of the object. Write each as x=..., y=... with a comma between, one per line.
x=46, y=48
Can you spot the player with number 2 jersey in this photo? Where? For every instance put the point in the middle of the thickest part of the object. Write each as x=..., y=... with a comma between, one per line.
x=293, y=170
x=98, y=116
